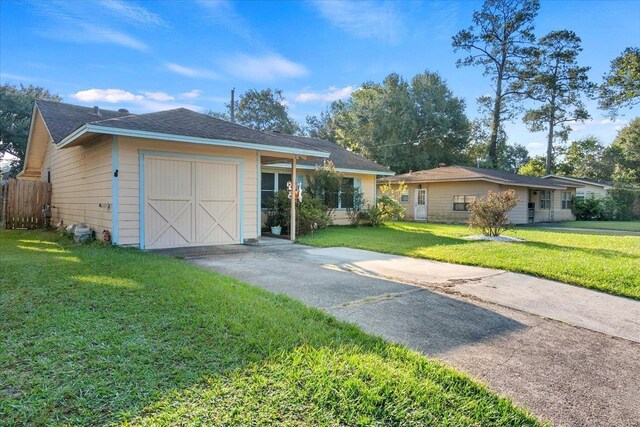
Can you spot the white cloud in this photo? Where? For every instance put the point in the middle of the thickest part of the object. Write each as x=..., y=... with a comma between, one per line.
x=80, y=23
x=363, y=19
x=112, y=96
x=329, y=95
x=611, y=122
x=132, y=13
x=137, y=102
x=196, y=73
x=192, y=94
x=535, y=146
x=263, y=68
x=223, y=13
x=159, y=96
x=96, y=34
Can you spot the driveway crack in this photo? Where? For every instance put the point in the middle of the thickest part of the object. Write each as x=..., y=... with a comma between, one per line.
x=375, y=299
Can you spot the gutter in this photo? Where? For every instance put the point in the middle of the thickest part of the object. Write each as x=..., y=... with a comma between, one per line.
x=89, y=128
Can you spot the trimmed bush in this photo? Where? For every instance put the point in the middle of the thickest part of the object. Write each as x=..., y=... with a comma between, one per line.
x=491, y=213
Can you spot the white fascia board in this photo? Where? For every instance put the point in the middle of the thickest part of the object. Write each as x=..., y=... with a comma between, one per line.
x=344, y=170
x=182, y=138
x=578, y=180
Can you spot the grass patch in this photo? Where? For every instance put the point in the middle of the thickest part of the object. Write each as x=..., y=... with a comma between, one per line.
x=604, y=225
x=610, y=263
x=97, y=335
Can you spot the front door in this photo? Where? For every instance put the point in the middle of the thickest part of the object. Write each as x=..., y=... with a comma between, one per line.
x=420, y=206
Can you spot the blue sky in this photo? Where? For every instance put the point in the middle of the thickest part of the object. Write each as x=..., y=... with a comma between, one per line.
x=148, y=56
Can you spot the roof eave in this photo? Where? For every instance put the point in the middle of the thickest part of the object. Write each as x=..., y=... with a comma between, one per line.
x=494, y=181
x=69, y=139
x=343, y=170
x=571, y=179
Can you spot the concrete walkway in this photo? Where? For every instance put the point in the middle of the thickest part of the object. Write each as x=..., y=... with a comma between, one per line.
x=564, y=374
x=577, y=306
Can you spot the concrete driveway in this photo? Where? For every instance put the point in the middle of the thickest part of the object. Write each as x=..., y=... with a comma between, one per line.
x=498, y=327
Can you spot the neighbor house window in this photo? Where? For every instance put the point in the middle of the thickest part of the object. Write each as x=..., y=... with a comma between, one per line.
x=461, y=203
x=579, y=196
x=566, y=200
x=404, y=197
x=273, y=182
x=545, y=199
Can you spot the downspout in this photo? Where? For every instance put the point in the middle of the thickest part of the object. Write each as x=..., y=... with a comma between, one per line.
x=292, y=224
x=259, y=186
x=115, y=205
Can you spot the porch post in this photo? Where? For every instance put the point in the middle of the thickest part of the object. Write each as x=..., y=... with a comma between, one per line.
x=292, y=226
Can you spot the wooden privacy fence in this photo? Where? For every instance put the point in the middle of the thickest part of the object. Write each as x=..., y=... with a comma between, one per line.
x=23, y=203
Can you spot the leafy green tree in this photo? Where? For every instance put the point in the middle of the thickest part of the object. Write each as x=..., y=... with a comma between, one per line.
x=510, y=157
x=553, y=78
x=264, y=110
x=583, y=158
x=16, y=108
x=498, y=41
x=621, y=85
x=627, y=146
x=534, y=167
x=406, y=125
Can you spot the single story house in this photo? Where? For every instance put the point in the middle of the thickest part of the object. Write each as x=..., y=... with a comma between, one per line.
x=443, y=194
x=355, y=169
x=589, y=187
x=171, y=178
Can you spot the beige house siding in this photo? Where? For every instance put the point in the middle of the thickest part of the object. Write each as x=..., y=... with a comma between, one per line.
x=518, y=215
x=367, y=186
x=440, y=199
x=440, y=202
x=81, y=181
x=129, y=181
x=591, y=191
x=560, y=214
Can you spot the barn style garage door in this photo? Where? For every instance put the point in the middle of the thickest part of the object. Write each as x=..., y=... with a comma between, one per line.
x=190, y=202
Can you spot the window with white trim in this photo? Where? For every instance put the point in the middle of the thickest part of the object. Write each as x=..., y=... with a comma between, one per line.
x=461, y=203
x=567, y=202
x=344, y=198
x=271, y=183
x=545, y=199
x=404, y=197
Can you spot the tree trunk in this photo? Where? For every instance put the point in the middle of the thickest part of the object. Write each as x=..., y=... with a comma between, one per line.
x=550, y=142
x=495, y=125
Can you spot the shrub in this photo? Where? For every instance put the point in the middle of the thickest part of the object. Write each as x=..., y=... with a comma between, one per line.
x=490, y=213
x=278, y=210
x=618, y=206
x=312, y=215
x=587, y=209
x=324, y=184
x=387, y=208
x=356, y=213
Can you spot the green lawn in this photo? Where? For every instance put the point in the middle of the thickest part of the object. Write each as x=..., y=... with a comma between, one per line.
x=610, y=263
x=604, y=225
x=96, y=335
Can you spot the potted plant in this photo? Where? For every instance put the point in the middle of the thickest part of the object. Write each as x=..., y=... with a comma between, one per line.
x=276, y=213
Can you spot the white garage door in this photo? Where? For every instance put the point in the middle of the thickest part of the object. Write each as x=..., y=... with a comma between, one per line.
x=190, y=202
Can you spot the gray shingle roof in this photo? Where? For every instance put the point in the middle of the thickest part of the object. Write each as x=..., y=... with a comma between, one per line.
x=341, y=157
x=584, y=180
x=62, y=119
x=185, y=122
x=468, y=173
